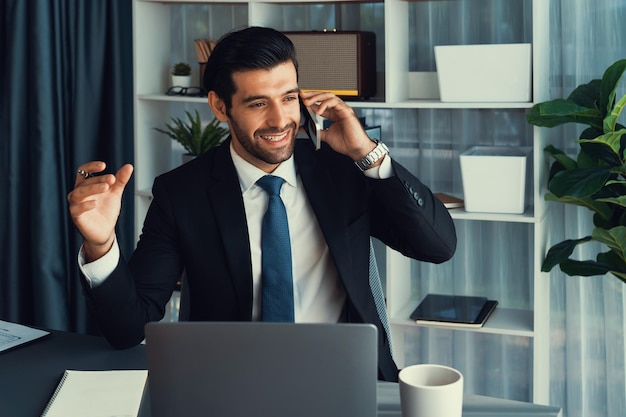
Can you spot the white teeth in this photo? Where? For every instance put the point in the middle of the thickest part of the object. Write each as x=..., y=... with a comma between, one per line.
x=274, y=138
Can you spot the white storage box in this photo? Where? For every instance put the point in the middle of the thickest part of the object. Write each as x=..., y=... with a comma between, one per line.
x=494, y=178
x=484, y=73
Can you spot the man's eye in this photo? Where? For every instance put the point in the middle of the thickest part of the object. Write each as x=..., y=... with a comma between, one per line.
x=256, y=105
x=290, y=98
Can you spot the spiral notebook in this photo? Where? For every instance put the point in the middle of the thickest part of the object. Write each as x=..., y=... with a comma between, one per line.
x=97, y=393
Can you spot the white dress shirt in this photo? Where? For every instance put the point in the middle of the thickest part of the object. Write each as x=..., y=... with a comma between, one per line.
x=319, y=295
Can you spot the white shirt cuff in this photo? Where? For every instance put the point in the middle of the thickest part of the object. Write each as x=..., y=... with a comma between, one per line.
x=97, y=271
x=382, y=171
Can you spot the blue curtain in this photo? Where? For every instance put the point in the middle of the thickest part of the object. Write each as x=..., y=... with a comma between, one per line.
x=66, y=98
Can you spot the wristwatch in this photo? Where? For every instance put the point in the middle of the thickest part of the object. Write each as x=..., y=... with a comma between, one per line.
x=370, y=159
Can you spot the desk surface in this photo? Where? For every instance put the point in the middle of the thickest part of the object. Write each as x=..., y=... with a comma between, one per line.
x=30, y=373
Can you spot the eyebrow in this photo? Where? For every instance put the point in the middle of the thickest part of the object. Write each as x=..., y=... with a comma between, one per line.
x=253, y=98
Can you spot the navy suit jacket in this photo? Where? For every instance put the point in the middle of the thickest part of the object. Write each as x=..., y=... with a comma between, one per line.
x=196, y=222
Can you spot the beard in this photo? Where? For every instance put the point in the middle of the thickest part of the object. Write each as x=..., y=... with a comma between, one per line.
x=253, y=145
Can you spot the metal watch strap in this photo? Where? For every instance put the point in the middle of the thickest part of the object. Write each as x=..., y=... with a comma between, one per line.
x=370, y=159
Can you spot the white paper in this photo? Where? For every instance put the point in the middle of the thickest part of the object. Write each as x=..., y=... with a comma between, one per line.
x=12, y=334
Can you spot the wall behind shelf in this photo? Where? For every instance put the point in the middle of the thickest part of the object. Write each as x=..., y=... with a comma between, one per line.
x=428, y=142
x=463, y=23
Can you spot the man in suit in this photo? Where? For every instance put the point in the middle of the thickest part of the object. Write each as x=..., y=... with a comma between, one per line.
x=205, y=217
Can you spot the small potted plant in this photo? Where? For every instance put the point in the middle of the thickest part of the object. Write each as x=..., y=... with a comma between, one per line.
x=195, y=139
x=181, y=75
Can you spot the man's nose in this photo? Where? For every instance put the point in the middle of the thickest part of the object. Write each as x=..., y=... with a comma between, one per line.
x=278, y=116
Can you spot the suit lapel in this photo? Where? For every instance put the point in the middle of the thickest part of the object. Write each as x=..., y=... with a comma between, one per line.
x=321, y=191
x=224, y=194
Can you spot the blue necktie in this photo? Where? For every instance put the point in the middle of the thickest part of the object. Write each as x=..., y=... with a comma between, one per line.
x=276, y=275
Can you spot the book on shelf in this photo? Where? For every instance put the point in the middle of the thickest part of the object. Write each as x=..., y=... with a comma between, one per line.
x=450, y=201
x=97, y=393
x=454, y=310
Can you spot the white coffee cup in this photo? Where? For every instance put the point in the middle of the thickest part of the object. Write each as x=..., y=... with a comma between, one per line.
x=431, y=391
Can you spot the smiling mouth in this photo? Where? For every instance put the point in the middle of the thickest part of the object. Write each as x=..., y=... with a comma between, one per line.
x=276, y=137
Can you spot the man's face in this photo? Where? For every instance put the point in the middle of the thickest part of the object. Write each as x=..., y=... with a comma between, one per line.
x=265, y=115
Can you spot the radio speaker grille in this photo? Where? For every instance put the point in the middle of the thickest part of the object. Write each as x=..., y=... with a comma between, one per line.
x=341, y=62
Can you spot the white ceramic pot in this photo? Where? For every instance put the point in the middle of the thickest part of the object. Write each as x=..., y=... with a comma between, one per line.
x=483, y=73
x=181, y=80
x=494, y=178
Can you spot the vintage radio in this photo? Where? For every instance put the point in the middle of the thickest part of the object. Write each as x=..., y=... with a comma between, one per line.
x=343, y=62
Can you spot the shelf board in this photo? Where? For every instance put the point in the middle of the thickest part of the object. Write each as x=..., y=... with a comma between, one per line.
x=165, y=97
x=259, y=1
x=415, y=104
x=182, y=2
x=438, y=104
x=527, y=217
x=504, y=321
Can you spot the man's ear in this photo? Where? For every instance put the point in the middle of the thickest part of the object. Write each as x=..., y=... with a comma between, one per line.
x=217, y=106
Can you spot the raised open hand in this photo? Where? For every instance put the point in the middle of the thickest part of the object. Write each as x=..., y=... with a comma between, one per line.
x=95, y=204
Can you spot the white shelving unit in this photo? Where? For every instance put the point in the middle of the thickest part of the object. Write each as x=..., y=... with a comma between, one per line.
x=154, y=152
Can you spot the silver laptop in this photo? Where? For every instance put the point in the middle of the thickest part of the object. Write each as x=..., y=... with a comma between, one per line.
x=244, y=369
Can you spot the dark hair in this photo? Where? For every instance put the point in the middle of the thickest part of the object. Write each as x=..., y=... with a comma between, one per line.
x=246, y=49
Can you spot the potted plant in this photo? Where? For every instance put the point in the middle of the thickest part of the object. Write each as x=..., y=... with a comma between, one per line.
x=596, y=178
x=195, y=139
x=181, y=75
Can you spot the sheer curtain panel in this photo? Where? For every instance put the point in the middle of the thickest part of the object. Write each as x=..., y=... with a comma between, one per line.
x=588, y=368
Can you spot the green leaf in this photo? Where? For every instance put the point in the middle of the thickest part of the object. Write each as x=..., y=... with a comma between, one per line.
x=561, y=252
x=599, y=152
x=610, y=79
x=604, y=265
x=594, y=205
x=614, y=238
x=619, y=201
x=558, y=155
x=192, y=136
x=616, y=265
x=579, y=182
x=606, y=147
x=587, y=95
x=560, y=111
x=610, y=121
x=619, y=184
x=583, y=268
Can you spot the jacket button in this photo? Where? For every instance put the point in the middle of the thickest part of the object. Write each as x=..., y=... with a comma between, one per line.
x=420, y=202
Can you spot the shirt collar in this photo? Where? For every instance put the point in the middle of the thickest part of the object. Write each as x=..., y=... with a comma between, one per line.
x=249, y=174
